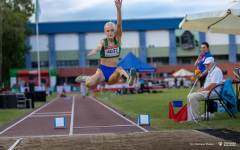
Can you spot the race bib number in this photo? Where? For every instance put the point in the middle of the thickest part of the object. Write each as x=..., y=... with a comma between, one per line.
x=111, y=51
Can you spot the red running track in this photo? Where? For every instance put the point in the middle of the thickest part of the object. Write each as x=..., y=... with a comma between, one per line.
x=83, y=116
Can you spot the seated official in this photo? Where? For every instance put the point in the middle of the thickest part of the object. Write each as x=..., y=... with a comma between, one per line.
x=213, y=78
x=144, y=89
x=63, y=93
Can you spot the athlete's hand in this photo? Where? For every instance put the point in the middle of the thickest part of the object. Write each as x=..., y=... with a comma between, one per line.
x=93, y=52
x=118, y=3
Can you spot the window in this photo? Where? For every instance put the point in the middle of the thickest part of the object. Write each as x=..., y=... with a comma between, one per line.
x=221, y=58
x=164, y=75
x=187, y=40
x=177, y=41
x=71, y=80
x=68, y=64
x=93, y=63
x=158, y=61
x=151, y=75
x=186, y=60
x=148, y=75
x=238, y=57
x=43, y=64
x=60, y=80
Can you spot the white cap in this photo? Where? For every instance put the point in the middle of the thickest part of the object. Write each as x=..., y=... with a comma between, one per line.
x=208, y=60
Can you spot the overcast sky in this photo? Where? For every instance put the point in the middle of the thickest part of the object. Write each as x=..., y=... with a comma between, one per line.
x=79, y=10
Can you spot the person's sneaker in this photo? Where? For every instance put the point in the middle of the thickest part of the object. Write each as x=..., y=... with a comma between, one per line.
x=81, y=79
x=210, y=115
x=132, y=76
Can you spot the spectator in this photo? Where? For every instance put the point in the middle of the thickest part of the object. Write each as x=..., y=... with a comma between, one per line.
x=175, y=82
x=142, y=82
x=124, y=89
x=213, y=78
x=144, y=89
x=181, y=83
x=102, y=87
x=199, y=64
x=83, y=90
x=63, y=93
x=149, y=84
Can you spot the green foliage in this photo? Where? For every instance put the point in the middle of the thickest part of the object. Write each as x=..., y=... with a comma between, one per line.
x=25, y=7
x=15, y=15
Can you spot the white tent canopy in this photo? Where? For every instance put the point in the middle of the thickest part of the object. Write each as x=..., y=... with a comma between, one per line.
x=182, y=73
x=222, y=21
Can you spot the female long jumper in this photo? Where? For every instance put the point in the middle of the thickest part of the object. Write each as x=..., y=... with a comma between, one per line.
x=110, y=49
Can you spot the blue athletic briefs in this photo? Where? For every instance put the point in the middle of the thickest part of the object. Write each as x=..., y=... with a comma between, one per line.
x=107, y=71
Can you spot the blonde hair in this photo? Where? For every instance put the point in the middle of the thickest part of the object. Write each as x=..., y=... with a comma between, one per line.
x=110, y=23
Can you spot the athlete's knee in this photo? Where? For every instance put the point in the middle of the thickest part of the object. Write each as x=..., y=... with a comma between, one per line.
x=119, y=68
x=89, y=84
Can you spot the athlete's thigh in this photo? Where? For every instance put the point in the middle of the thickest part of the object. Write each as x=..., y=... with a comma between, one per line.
x=97, y=78
x=115, y=76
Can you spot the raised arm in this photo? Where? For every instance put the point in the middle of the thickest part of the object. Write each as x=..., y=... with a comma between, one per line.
x=97, y=49
x=118, y=4
x=199, y=57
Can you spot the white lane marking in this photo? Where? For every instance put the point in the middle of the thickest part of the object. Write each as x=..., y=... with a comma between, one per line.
x=105, y=126
x=53, y=113
x=71, y=125
x=15, y=144
x=28, y=116
x=119, y=114
x=50, y=115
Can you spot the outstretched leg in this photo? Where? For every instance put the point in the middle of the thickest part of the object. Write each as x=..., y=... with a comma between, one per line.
x=92, y=81
x=120, y=73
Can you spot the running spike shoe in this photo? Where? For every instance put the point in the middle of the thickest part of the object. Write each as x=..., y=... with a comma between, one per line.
x=81, y=79
x=132, y=76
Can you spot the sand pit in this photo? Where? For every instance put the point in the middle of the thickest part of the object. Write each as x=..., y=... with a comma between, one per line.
x=127, y=141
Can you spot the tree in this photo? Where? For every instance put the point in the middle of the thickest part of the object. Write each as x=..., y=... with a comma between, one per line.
x=15, y=16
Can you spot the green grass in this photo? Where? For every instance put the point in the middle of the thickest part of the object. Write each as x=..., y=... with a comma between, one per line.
x=8, y=115
x=157, y=106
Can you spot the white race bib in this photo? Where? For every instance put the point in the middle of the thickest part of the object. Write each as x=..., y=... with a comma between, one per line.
x=111, y=51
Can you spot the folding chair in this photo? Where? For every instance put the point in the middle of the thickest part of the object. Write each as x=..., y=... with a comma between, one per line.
x=222, y=98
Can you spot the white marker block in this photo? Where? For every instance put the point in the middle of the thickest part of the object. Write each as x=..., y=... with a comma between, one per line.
x=60, y=122
x=143, y=119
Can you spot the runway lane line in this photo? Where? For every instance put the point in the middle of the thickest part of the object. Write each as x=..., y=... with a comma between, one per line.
x=50, y=115
x=118, y=114
x=86, y=127
x=71, y=125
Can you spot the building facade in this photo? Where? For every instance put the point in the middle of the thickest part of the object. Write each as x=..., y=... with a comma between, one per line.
x=156, y=41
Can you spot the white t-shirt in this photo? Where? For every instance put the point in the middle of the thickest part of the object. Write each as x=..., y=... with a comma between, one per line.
x=214, y=76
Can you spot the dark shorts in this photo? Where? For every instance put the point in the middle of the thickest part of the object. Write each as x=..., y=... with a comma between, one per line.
x=202, y=80
x=107, y=71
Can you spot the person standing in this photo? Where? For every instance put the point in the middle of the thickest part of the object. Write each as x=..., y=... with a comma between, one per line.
x=83, y=89
x=199, y=65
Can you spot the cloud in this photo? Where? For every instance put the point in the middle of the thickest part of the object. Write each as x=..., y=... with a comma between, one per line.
x=73, y=10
